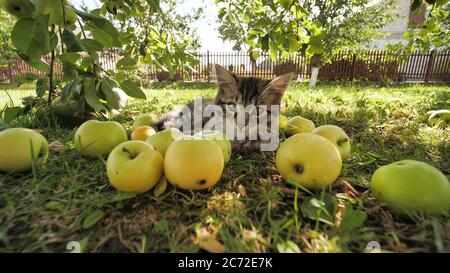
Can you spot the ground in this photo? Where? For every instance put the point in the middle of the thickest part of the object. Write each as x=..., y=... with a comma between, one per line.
x=251, y=209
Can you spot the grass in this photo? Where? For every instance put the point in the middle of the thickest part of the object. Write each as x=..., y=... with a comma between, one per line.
x=251, y=209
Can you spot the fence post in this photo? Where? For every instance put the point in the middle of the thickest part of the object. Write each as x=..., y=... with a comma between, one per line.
x=9, y=74
x=207, y=66
x=429, y=70
x=353, y=66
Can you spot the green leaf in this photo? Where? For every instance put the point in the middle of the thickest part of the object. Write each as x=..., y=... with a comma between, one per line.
x=31, y=36
x=90, y=17
x=72, y=89
x=161, y=187
x=286, y=4
x=132, y=89
x=352, y=219
x=11, y=113
x=41, y=87
x=416, y=4
x=126, y=63
x=101, y=36
x=26, y=78
x=69, y=57
x=71, y=41
x=90, y=95
x=106, y=87
x=92, y=45
x=288, y=247
x=120, y=196
x=322, y=209
x=93, y=218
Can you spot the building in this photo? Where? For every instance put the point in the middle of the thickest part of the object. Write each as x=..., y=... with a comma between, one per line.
x=396, y=29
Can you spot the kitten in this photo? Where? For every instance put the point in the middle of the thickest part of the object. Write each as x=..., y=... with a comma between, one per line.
x=234, y=94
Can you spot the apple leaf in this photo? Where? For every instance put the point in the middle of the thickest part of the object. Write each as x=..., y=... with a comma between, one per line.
x=103, y=37
x=288, y=247
x=92, y=45
x=160, y=187
x=71, y=41
x=11, y=113
x=41, y=87
x=126, y=63
x=90, y=95
x=132, y=89
x=107, y=86
x=93, y=218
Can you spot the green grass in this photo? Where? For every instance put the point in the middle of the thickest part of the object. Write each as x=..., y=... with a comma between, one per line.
x=45, y=211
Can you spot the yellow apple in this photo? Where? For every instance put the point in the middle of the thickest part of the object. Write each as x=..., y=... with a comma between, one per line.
x=308, y=160
x=18, y=147
x=142, y=132
x=162, y=139
x=410, y=185
x=97, y=138
x=299, y=124
x=146, y=119
x=193, y=163
x=220, y=139
x=134, y=166
x=18, y=8
x=439, y=118
x=337, y=136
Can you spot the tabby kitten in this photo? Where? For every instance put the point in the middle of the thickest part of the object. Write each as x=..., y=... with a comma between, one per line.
x=234, y=94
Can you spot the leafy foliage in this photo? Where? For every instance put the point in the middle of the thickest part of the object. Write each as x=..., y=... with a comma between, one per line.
x=6, y=48
x=434, y=31
x=316, y=27
x=76, y=37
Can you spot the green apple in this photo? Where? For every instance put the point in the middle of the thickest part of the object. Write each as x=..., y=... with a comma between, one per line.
x=18, y=8
x=146, y=119
x=220, y=139
x=18, y=147
x=308, y=160
x=337, y=136
x=97, y=138
x=193, y=163
x=440, y=118
x=162, y=140
x=299, y=124
x=410, y=185
x=134, y=166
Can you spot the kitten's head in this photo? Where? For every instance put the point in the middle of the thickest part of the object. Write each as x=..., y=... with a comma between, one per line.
x=236, y=90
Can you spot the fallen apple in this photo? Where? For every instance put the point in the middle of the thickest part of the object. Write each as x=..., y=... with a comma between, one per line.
x=337, y=136
x=146, y=119
x=18, y=8
x=162, y=139
x=308, y=160
x=220, y=139
x=18, y=148
x=193, y=163
x=440, y=118
x=142, y=132
x=134, y=166
x=410, y=185
x=97, y=138
x=299, y=124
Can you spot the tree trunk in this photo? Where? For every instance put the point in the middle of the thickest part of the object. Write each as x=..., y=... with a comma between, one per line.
x=315, y=65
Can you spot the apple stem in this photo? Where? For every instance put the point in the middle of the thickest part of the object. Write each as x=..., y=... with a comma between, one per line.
x=342, y=141
x=132, y=156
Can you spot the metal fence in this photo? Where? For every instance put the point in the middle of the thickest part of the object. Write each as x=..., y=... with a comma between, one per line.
x=369, y=65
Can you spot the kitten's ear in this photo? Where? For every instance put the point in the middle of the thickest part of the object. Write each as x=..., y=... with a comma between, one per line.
x=225, y=81
x=274, y=90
